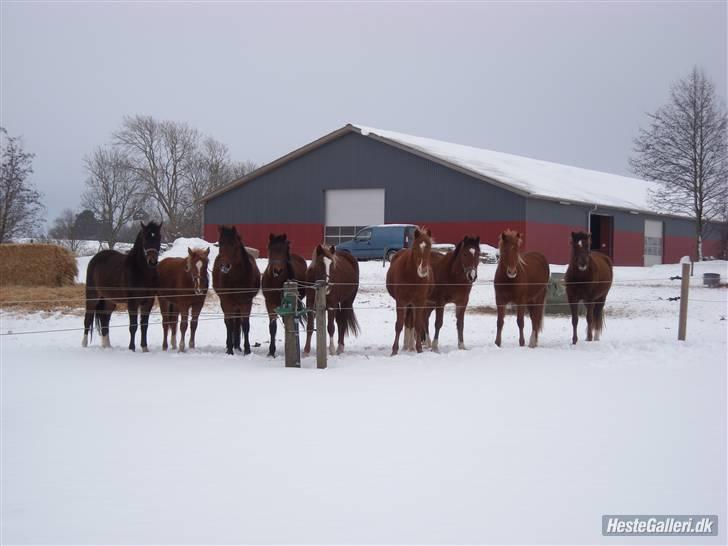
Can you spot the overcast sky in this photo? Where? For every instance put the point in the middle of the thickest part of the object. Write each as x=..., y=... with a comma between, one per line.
x=566, y=82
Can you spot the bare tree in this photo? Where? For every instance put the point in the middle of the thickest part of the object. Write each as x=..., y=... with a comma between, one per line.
x=20, y=207
x=160, y=153
x=112, y=192
x=65, y=230
x=209, y=169
x=684, y=148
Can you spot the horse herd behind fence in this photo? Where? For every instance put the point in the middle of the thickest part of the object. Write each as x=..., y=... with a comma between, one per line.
x=419, y=280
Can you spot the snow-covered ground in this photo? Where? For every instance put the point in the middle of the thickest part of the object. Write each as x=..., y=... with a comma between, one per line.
x=510, y=445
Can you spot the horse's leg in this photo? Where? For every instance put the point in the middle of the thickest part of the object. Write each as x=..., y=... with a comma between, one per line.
x=574, y=308
x=245, y=322
x=237, y=325
x=419, y=325
x=519, y=320
x=341, y=327
x=331, y=329
x=104, y=319
x=309, y=321
x=92, y=302
x=174, y=312
x=401, y=312
x=427, y=340
x=146, y=308
x=589, y=320
x=499, y=323
x=439, y=315
x=273, y=329
x=164, y=308
x=599, y=317
x=460, y=320
x=183, y=312
x=229, y=326
x=409, y=329
x=133, y=306
x=196, y=309
x=534, y=313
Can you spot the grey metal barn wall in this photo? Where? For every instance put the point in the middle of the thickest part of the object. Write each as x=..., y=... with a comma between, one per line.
x=291, y=197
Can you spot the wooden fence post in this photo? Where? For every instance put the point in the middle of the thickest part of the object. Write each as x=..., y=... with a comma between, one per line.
x=321, y=351
x=290, y=325
x=684, y=286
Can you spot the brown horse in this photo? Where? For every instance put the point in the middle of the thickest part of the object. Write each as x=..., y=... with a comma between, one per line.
x=282, y=266
x=410, y=281
x=455, y=273
x=520, y=279
x=341, y=271
x=236, y=279
x=132, y=278
x=183, y=286
x=588, y=278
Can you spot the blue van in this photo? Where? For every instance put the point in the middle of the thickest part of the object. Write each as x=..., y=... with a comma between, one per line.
x=377, y=242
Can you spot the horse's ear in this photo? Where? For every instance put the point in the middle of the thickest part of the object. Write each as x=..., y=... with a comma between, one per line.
x=219, y=228
x=503, y=236
x=144, y=226
x=520, y=238
x=477, y=240
x=271, y=237
x=417, y=233
x=284, y=236
x=332, y=249
x=429, y=232
x=189, y=251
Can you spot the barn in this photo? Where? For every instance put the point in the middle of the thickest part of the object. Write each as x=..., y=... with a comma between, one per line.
x=358, y=176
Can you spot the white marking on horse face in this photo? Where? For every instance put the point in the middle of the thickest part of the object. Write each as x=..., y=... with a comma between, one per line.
x=422, y=246
x=327, y=265
x=422, y=272
x=580, y=244
x=472, y=251
x=511, y=274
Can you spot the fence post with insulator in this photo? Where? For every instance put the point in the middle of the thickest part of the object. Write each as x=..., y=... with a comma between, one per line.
x=290, y=325
x=684, y=288
x=320, y=305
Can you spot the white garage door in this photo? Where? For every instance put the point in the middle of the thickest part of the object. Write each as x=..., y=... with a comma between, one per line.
x=347, y=211
x=653, y=242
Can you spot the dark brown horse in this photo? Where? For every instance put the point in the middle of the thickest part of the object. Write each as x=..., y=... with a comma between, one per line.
x=588, y=278
x=183, y=286
x=341, y=271
x=410, y=281
x=282, y=266
x=132, y=278
x=455, y=273
x=520, y=279
x=236, y=280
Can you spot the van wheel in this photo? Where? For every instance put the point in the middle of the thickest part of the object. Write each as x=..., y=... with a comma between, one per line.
x=390, y=255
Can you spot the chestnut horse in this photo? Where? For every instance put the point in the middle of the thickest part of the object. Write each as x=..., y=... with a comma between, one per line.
x=520, y=279
x=183, y=286
x=455, y=273
x=341, y=271
x=132, y=278
x=410, y=281
x=282, y=266
x=588, y=278
x=236, y=279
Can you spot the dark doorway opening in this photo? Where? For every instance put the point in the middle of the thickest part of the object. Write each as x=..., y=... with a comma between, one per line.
x=602, y=233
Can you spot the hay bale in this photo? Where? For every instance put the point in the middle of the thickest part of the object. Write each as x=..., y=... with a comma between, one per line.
x=36, y=265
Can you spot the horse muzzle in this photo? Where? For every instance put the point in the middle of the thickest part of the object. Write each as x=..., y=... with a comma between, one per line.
x=511, y=273
x=152, y=257
x=472, y=275
x=225, y=268
x=582, y=267
x=423, y=272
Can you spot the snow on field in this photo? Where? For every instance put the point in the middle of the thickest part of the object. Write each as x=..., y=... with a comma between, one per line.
x=510, y=445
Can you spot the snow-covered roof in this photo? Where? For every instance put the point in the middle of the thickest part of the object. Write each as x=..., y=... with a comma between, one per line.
x=532, y=177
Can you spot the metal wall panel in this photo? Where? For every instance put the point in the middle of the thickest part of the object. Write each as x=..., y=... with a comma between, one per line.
x=416, y=188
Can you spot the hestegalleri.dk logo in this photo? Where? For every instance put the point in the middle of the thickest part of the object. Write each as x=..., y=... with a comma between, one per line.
x=660, y=525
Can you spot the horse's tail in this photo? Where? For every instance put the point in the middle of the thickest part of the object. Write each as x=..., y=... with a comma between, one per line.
x=97, y=318
x=598, y=317
x=349, y=321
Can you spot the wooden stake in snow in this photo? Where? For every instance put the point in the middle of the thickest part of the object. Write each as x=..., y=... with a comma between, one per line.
x=290, y=325
x=321, y=352
x=685, y=285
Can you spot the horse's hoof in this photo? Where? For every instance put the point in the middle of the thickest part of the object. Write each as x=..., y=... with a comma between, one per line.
x=394, y=353
x=461, y=346
x=164, y=347
x=192, y=344
x=229, y=352
x=573, y=341
x=84, y=341
x=246, y=351
x=272, y=354
x=145, y=350
x=181, y=350
x=498, y=343
x=339, y=349
x=132, y=348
